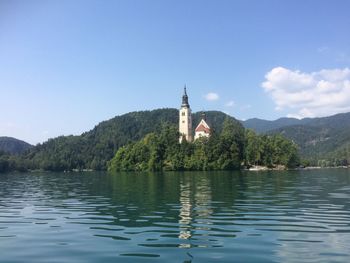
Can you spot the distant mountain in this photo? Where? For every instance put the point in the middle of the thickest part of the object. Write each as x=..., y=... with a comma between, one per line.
x=13, y=146
x=326, y=139
x=94, y=148
x=262, y=126
x=317, y=138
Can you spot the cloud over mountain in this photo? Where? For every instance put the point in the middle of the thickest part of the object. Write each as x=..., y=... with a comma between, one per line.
x=314, y=94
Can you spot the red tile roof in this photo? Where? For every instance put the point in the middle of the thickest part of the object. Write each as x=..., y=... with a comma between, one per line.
x=202, y=128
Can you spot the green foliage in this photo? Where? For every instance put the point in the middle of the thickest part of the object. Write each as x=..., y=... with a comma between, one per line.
x=150, y=153
x=93, y=149
x=338, y=157
x=146, y=140
x=224, y=151
x=270, y=150
x=12, y=163
x=321, y=141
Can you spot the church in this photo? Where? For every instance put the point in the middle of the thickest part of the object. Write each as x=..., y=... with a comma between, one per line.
x=185, y=122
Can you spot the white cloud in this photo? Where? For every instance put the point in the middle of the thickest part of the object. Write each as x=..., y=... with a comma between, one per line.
x=211, y=96
x=230, y=103
x=314, y=94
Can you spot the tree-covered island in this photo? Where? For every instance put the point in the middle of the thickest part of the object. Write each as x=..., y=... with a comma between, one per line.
x=232, y=148
x=152, y=141
x=156, y=147
x=172, y=148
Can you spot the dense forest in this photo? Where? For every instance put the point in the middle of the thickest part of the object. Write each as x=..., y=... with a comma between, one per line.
x=229, y=149
x=93, y=149
x=10, y=162
x=320, y=141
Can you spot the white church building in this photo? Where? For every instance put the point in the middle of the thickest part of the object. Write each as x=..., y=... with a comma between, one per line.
x=185, y=122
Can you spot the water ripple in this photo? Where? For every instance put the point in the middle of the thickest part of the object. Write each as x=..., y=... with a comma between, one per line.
x=176, y=217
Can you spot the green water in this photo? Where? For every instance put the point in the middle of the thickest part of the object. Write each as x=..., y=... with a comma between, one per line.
x=298, y=216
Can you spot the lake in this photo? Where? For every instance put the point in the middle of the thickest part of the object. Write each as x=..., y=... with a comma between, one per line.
x=274, y=216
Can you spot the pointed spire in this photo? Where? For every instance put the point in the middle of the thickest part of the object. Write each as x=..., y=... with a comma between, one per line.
x=185, y=99
x=204, y=117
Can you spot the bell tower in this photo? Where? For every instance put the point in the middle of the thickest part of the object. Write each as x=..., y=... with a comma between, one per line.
x=185, y=119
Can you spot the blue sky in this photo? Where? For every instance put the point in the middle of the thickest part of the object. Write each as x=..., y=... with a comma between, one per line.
x=67, y=65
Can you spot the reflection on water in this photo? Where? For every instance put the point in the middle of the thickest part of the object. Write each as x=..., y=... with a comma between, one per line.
x=195, y=199
x=185, y=212
x=176, y=217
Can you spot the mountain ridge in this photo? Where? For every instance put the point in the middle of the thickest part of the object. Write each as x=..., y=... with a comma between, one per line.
x=317, y=138
x=12, y=145
x=320, y=140
x=261, y=125
x=94, y=148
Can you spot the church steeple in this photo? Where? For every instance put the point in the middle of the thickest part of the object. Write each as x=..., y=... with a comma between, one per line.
x=185, y=99
x=185, y=119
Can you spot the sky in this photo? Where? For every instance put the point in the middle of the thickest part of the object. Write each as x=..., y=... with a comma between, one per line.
x=67, y=65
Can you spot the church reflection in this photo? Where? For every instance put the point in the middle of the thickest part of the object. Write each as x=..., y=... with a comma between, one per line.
x=185, y=210
x=195, y=207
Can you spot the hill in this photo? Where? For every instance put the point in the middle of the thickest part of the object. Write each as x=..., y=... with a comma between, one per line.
x=13, y=146
x=263, y=126
x=324, y=139
x=92, y=149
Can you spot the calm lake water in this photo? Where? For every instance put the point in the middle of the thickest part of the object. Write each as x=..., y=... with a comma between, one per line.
x=297, y=216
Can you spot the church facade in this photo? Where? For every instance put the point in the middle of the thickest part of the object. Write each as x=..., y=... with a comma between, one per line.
x=203, y=129
x=185, y=122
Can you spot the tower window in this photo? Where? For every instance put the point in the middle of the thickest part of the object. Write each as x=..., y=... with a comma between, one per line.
x=183, y=114
x=183, y=121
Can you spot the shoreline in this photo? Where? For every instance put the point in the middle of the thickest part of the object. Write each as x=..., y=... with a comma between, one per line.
x=254, y=168
x=257, y=168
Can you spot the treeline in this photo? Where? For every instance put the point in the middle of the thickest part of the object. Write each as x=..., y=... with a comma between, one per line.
x=230, y=149
x=150, y=145
x=339, y=157
x=93, y=149
x=321, y=142
x=12, y=163
x=270, y=150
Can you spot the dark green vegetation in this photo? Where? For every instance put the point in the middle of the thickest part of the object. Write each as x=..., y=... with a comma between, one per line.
x=10, y=158
x=13, y=146
x=262, y=126
x=322, y=141
x=10, y=162
x=93, y=149
x=224, y=150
